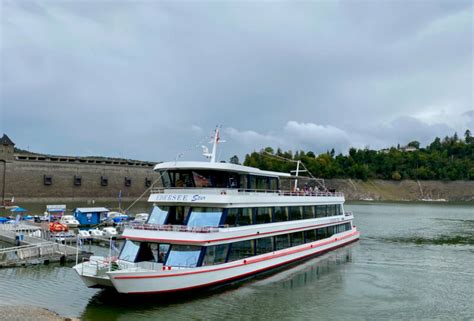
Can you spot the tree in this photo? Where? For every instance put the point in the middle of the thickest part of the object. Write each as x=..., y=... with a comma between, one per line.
x=234, y=160
x=415, y=144
x=467, y=136
x=396, y=176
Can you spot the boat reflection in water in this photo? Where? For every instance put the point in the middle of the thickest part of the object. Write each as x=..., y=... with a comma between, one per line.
x=285, y=284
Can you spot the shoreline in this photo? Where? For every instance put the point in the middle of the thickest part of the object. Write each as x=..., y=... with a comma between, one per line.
x=28, y=312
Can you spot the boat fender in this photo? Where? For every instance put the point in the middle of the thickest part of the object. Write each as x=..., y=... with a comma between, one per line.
x=245, y=261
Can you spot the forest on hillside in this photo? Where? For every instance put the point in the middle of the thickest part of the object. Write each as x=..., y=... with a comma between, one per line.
x=450, y=158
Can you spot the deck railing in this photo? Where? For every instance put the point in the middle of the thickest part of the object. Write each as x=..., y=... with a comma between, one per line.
x=232, y=191
x=174, y=228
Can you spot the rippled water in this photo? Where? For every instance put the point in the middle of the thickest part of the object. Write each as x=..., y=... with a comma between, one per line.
x=414, y=261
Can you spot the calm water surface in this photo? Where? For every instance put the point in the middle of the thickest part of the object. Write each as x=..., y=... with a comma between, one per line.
x=414, y=261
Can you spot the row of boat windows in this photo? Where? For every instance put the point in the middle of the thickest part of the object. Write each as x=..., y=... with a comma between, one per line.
x=217, y=179
x=193, y=256
x=214, y=217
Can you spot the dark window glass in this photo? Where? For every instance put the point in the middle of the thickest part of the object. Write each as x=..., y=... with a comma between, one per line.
x=253, y=182
x=310, y=236
x=158, y=215
x=348, y=226
x=280, y=214
x=297, y=238
x=273, y=183
x=145, y=253
x=321, y=233
x=282, y=242
x=183, y=255
x=177, y=215
x=205, y=216
x=127, y=181
x=308, y=212
x=331, y=210
x=263, y=215
x=320, y=211
x=338, y=210
x=264, y=245
x=233, y=180
x=243, y=182
x=77, y=180
x=183, y=179
x=104, y=181
x=330, y=230
x=245, y=217
x=241, y=250
x=215, y=254
x=262, y=183
x=162, y=251
x=295, y=213
x=231, y=217
x=47, y=179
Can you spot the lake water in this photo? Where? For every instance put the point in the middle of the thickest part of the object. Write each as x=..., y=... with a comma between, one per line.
x=414, y=261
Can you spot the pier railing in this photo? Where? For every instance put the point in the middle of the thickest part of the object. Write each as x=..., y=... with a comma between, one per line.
x=240, y=191
x=18, y=254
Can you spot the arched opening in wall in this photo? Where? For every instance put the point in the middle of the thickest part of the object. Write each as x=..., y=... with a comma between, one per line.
x=104, y=181
x=128, y=181
x=77, y=180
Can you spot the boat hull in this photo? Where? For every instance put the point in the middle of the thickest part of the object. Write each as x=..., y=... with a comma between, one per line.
x=170, y=280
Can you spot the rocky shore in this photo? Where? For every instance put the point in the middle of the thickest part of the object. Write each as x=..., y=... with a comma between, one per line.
x=29, y=313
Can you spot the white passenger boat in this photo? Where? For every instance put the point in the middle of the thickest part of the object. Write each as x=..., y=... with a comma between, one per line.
x=213, y=223
x=69, y=220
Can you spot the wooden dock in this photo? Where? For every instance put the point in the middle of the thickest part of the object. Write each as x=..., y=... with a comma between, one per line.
x=32, y=249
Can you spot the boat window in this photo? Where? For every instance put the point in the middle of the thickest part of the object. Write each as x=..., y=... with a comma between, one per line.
x=322, y=233
x=273, y=183
x=145, y=253
x=231, y=216
x=253, y=182
x=243, y=181
x=202, y=179
x=310, y=236
x=264, y=245
x=241, y=250
x=262, y=183
x=177, y=215
x=348, y=226
x=166, y=179
x=331, y=210
x=182, y=178
x=205, y=216
x=320, y=210
x=129, y=251
x=162, y=251
x=280, y=214
x=297, y=238
x=308, y=212
x=158, y=215
x=233, y=180
x=215, y=254
x=245, y=217
x=338, y=210
x=295, y=213
x=282, y=242
x=263, y=215
x=183, y=256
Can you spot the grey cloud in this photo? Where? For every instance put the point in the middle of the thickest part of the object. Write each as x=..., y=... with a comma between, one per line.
x=132, y=78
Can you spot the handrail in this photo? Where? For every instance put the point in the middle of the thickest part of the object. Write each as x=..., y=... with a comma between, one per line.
x=225, y=190
x=174, y=228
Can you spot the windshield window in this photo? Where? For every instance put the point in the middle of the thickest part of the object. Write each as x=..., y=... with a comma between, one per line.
x=158, y=215
x=183, y=256
x=205, y=216
x=129, y=251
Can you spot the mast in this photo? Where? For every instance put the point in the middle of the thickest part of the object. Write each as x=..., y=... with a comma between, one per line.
x=215, y=140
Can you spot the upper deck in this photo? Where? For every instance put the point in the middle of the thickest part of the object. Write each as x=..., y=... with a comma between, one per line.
x=236, y=197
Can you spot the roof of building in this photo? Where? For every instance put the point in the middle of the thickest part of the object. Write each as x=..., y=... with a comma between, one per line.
x=91, y=209
x=5, y=140
x=228, y=167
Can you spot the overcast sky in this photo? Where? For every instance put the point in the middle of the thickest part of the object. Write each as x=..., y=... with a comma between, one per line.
x=150, y=79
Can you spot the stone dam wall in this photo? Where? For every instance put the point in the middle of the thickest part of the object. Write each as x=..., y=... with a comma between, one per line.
x=73, y=180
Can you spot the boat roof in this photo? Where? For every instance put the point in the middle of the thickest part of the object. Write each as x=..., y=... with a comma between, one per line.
x=91, y=209
x=228, y=167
